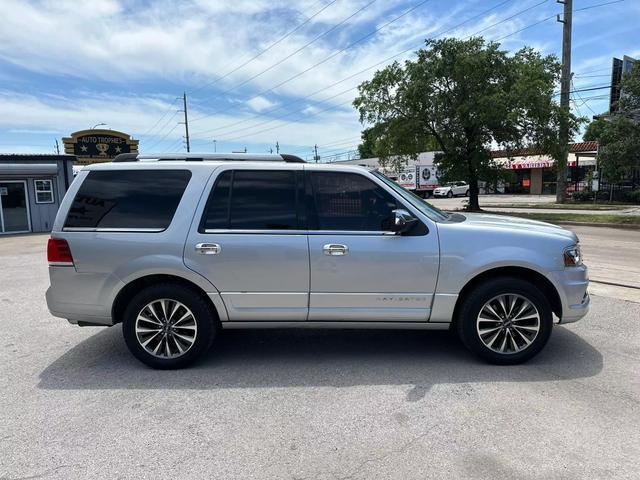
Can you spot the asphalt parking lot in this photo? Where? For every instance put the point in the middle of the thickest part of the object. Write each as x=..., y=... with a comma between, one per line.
x=311, y=404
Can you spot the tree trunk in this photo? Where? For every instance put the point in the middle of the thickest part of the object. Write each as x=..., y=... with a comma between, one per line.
x=474, y=204
x=472, y=180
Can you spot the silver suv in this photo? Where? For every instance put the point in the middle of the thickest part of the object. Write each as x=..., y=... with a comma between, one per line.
x=176, y=248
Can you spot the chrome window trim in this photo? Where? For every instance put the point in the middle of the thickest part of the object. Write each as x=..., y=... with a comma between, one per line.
x=120, y=230
x=299, y=232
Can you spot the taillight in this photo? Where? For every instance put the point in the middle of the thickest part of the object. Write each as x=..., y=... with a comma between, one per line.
x=59, y=253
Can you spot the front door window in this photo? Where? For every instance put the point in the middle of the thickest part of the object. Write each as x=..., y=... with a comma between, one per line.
x=14, y=216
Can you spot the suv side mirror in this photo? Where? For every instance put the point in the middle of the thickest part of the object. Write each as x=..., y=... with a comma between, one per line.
x=402, y=221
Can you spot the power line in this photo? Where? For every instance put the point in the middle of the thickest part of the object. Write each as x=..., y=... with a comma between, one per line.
x=330, y=56
x=231, y=132
x=160, y=119
x=288, y=34
x=167, y=123
x=583, y=102
x=164, y=136
x=508, y=18
x=404, y=51
x=526, y=28
x=315, y=39
x=593, y=71
x=597, y=5
x=481, y=14
x=285, y=123
x=591, y=76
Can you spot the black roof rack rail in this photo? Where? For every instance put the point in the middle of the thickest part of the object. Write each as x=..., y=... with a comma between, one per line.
x=136, y=157
x=291, y=158
x=126, y=157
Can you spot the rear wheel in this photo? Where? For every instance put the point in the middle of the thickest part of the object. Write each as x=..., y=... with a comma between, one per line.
x=168, y=326
x=505, y=321
x=466, y=194
x=450, y=194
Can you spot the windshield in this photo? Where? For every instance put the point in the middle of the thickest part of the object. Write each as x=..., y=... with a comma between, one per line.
x=425, y=207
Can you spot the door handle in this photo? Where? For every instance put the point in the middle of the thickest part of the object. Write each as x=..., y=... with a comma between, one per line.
x=208, y=248
x=335, y=249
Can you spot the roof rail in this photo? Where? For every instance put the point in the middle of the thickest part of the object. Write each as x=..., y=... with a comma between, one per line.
x=200, y=157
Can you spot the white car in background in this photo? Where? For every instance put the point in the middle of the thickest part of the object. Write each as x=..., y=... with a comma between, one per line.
x=452, y=189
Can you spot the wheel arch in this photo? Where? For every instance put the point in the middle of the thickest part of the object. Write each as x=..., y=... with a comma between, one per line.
x=533, y=277
x=127, y=292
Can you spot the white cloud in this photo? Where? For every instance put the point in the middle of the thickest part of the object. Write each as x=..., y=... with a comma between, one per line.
x=260, y=103
x=135, y=115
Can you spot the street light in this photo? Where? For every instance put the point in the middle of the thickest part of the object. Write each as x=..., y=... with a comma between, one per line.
x=215, y=145
x=97, y=125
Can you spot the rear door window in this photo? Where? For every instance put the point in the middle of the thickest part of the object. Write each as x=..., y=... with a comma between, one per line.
x=128, y=199
x=253, y=200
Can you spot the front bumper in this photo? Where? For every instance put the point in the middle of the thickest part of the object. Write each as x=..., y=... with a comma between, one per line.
x=440, y=194
x=572, y=284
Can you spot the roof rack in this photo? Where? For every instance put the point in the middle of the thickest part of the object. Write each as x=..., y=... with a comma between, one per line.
x=200, y=157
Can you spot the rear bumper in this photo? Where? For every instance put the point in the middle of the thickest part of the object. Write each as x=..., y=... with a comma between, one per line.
x=572, y=284
x=81, y=297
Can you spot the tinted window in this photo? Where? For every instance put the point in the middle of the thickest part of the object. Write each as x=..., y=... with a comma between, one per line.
x=216, y=214
x=128, y=199
x=348, y=201
x=253, y=200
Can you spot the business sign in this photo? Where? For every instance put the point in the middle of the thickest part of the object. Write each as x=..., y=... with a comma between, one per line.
x=407, y=178
x=428, y=177
x=91, y=146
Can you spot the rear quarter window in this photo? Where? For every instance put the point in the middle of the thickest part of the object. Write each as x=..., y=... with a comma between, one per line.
x=128, y=199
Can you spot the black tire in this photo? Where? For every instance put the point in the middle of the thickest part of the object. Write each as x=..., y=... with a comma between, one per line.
x=472, y=304
x=450, y=194
x=204, y=318
x=466, y=194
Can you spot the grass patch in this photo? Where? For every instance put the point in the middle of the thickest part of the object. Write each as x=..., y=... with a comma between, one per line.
x=572, y=217
x=562, y=206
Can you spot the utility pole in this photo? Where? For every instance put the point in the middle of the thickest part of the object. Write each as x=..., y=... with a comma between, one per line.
x=316, y=157
x=565, y=89
x=57, y=147
x=186, y=121
x=277, y=147
x=215, y=146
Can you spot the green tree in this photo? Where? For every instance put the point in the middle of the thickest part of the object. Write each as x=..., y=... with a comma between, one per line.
x=619, y=135
x=594, y=130
x=470, y=97
x=394, y=142
x=619, y=149
x=629, y=102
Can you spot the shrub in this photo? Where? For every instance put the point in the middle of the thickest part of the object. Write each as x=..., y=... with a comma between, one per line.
x=633, y=196
x=583, y=196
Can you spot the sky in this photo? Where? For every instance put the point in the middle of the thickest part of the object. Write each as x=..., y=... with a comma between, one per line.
x=257, y=72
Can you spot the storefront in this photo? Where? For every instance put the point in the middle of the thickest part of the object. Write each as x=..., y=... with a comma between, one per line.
x=534, y=172
x=31, y=189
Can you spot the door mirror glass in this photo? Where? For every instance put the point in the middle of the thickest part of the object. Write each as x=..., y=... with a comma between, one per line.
x=403, y=221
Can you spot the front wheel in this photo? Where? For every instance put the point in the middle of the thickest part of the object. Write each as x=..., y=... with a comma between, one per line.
x=168, y=326
x=505, y=321
x=450, y=194
x=466, y=194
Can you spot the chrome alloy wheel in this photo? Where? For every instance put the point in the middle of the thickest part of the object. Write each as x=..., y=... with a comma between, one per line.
x=508, y=323
x=166, y=328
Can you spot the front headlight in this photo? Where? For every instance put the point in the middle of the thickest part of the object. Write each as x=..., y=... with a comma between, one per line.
x=572, y=256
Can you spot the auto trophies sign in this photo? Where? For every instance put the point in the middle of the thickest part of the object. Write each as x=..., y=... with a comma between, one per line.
x=92, y=146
